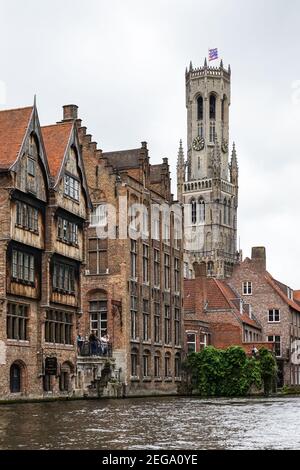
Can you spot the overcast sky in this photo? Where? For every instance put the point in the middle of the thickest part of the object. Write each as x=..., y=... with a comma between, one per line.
x=123, y=64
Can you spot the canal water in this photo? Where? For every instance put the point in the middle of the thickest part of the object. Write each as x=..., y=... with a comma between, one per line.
x=153, y=423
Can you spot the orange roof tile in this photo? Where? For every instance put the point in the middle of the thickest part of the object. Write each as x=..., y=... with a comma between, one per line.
x=280, y=292
x=13, y=126
x=56, y=138
x=219, y=296
x=296, y=295
x=230, y=296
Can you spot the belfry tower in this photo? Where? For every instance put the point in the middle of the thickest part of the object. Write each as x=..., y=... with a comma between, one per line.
x=207, y=183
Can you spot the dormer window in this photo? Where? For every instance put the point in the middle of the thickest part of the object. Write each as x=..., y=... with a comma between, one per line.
x=71, y=187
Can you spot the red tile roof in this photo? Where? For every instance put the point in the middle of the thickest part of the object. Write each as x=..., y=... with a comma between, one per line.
x=13, y=126
x=219, y=296
x=215, y=297
x=231, y=296
x=273, y=283
x=189, y=294
x=296, y=295
x=56, y=138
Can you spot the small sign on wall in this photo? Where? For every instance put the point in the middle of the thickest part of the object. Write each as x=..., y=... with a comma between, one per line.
x=51, y=366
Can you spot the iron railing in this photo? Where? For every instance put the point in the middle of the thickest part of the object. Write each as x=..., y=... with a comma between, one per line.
x=94, y=348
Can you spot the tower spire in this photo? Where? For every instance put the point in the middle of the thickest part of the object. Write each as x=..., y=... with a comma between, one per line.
x=234, y=168
x=180, y=157
x=180, y=171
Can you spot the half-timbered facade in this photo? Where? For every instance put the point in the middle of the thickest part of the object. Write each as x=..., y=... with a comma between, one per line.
x=44, y=208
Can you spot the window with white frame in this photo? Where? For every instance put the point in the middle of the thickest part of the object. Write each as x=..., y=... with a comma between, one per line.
x=167, y=228
x=276, y=339
x=191, y=342
x=203, y=341
x=155, y=223
x=71, y=187
x=186, y=270
x=247, y=288
x=274, y=315
x=98, y=217
x=290, y=293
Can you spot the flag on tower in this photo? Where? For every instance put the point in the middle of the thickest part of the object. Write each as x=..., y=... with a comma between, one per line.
x=212, y=54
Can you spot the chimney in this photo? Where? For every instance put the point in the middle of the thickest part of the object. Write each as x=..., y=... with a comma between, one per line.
x=70, y=112
x=200, y=273
x=258, y=256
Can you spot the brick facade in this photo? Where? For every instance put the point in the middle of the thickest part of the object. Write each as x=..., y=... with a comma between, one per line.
x=268, y=294
x=214, y=315
x=40, y=269
x=121, y=179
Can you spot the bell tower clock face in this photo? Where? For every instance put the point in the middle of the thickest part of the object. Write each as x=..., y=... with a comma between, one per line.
x=198, y=143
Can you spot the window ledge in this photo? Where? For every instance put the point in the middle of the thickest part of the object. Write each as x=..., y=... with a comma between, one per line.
x=274, y=321
x=21, y=281
x=147, y=379
x=177, y=379
x=134, y=378
x=18, y=342
x=60, y=346
x=147, y=342
x=65, y=242
x=71, y=198
x=168, y=379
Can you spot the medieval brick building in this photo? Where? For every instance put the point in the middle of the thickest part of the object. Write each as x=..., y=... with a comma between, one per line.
x=275, y=307
x=44, y=207
x=133, y=278
x=216, y=315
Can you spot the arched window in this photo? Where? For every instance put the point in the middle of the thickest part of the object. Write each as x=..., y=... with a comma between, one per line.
x=157, y=364
x=98, y=312
x=146, y=363
x=201, y=210
x=15, y=378
x=225, y=212
x=229, y=212
x=177, y=365
x=168, y=372
x=200, y=108
x=212, y=107
x=134, y=362
x=210, y=268
x=224, y=108
x=193, y=211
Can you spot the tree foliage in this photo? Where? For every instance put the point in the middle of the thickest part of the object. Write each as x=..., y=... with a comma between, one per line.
x=230, y=372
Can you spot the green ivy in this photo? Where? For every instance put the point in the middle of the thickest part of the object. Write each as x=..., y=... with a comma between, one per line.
x=230, y=372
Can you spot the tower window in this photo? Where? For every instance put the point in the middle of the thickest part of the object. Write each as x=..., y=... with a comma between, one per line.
x=201, y=210
x=194, y=211
x=200, y=108
x=212, y=132
x=200, y=130
x=212, y=107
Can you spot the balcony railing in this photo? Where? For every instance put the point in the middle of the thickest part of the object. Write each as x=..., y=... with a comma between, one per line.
x=99, y=349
